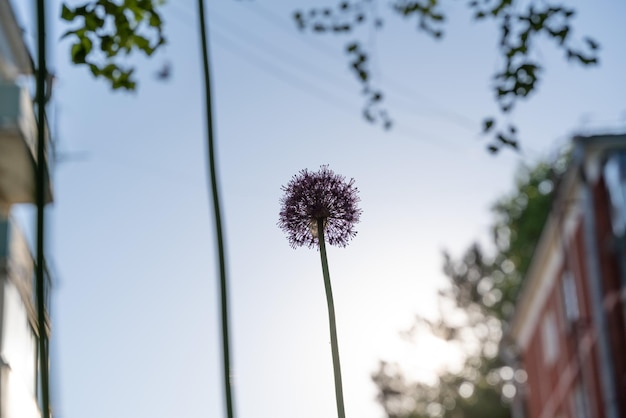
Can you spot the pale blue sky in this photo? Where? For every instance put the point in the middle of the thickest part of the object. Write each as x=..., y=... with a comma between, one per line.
x=135, y=307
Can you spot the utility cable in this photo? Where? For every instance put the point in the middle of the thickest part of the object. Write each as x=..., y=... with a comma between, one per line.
x=397, y=88
x=280, y=73
x=273, y=66
x=394, y=88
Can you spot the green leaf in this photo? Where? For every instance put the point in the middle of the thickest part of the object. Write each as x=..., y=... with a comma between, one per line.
x=297, y=16
x=106, y=44
x=155, y=20
x=488, y=124
x=141, y=42
x=87, y=44
x=437, y=17
x=592, y=44
x=82, y=10
x=93, y=22
x=94, y=69
x=68, y=33
x=67, y=14
x=78, y=53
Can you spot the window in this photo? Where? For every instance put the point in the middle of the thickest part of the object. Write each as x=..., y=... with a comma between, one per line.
x=580, y=403
x=570, y=299
x=614, y=177
x=549, y=338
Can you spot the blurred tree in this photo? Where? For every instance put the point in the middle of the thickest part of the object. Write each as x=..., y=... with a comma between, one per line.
x=109, y=28
x=473, y=311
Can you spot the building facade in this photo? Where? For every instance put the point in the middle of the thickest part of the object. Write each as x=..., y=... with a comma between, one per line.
x=569, y=324
x=19, y=339
x=18, y=328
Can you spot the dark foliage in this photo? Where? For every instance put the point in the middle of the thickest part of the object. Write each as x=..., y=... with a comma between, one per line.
x=520, y=27
x=108, y=29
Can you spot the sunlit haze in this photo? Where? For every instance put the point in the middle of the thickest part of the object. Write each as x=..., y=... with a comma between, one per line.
x=135, y=305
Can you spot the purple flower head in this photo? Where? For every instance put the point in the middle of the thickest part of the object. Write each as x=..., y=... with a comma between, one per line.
x=310, y=196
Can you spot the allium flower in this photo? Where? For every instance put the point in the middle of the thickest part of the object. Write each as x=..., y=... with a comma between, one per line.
x=318, y=207
x=311, y=196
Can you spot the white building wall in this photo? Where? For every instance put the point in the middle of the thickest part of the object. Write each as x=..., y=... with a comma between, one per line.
x=19, y=353
x=18, y=341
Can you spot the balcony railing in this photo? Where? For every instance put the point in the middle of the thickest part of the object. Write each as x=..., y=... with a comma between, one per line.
x=18, y=141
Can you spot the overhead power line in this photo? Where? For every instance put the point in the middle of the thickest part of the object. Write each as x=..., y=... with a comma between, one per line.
x=299, y=73
x=404, y=93
x=395, y=88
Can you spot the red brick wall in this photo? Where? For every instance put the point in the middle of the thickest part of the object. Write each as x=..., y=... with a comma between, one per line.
x=611, y=283
x=587, y=335
x=551, y=386
x=544, y=378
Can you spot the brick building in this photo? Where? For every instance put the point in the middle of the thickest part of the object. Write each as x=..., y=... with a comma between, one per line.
x=569, y=324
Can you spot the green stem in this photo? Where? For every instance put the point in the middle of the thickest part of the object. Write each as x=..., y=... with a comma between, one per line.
x=40, y=200
x=331, y=320
x=216, y=213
